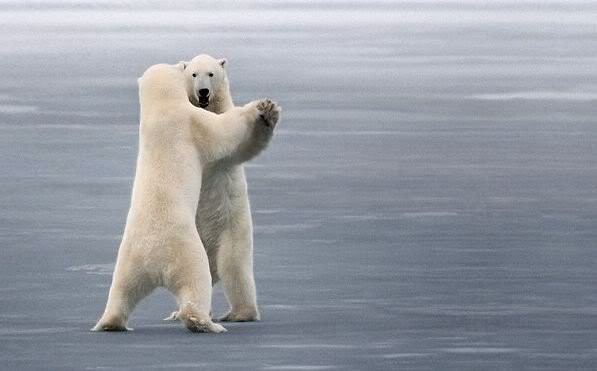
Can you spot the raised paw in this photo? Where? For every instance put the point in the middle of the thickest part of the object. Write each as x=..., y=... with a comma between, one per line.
x=269, y=113
x=202, y=325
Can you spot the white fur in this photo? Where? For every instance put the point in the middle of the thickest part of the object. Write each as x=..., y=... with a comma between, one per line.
x=161, y=246
x=207, y=73
x=224, y=216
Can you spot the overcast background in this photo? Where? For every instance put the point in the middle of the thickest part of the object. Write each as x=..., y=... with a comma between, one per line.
x=429, y=201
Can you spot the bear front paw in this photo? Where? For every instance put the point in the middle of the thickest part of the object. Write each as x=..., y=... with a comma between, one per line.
x=269, y=113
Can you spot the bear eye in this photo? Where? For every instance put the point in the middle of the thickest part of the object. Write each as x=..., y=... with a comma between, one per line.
x=194, y=75
x=211, y=74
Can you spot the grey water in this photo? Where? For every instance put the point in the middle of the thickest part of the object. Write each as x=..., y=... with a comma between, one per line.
x=428, y=203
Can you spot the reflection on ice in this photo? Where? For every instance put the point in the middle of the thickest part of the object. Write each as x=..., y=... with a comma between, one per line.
x=101, y=269
x=541, y=95
x=16, y=108
x=488, y=350
x=277, y=228
x=427, y=214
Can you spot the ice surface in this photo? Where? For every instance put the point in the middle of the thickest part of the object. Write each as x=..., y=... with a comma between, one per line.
x=429, y=202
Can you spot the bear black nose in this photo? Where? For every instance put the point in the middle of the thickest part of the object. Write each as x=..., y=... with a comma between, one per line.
x=204, y=92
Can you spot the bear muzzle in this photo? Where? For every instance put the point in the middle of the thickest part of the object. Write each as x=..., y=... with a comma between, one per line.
x=203, y=97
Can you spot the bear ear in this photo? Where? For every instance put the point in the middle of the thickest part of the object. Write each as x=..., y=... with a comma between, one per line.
x=223, y=62
x=182, y=65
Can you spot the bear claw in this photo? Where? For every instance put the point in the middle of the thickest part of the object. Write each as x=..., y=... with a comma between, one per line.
x=269, y=112
x=172, y=317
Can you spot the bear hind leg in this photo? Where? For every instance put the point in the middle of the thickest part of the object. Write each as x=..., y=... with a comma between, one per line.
x=235, y=269
x=192, y=287
x=123, y=297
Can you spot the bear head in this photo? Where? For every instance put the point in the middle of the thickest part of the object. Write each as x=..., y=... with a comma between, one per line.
x=205, y=76
x=162, y=82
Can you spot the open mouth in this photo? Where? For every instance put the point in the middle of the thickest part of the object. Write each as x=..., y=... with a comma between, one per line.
x=203, y=101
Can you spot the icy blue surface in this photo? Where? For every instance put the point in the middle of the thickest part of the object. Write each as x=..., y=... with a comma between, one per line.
x=429, y=202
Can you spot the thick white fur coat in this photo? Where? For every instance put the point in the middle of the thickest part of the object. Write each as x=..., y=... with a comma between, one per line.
x=161, y=246
x=223, y=215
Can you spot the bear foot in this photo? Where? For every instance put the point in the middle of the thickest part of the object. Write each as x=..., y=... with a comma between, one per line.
x=269, y=113
x=241, y=316
x=174, y=316
x=200, y=325
x=112, y=326
x=111, y=322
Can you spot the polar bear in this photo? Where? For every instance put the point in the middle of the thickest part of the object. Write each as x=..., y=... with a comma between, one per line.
x=161, y=245
x=223, y=215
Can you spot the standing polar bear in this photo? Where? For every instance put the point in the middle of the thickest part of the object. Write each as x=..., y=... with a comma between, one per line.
x=223, y=215
x=161, y=245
